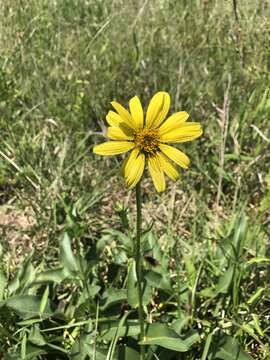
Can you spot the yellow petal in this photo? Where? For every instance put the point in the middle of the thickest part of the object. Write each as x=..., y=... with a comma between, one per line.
x=136, y=112
x=185, y=132
x=158, y=109
x=173, y=122
x=113, y=147
x=124, y=114
x=133, y=168
x=175, y=155
x=167, y=166
x=117, y=133
x=156, y=173
x=113, y=119
x=134, y=153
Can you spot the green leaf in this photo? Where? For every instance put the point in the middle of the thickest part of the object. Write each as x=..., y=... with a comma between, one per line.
x=162, y=335
x=164, y=354
x=23, y=347
x=132, y=293
x=44, y=300
x=157, y=280
x=66, y=256
x=108, y=330
x=256, y=295
x=225, y=281
x=207, y=346
x=117, y=334
x=120, y=236
x=35, y=336
x=191, y=270
x=56, y=276
x=87, y=294
x=109, y=236
x=225, y=347
x=179, y=324
x=147, y=293
x=3, y=283
x=31, y=353
x=24, y=275
x=119, y=256
x=154, y=279
x=132, y=289
x=112, y=297
x=151, y=245
x=28, y=306
x=127, y=353
x=257, y=324
x=82, y=348
x=29, y=322
x=207, y=292
x=240, y=235
x=85, y=300
x=258, y=260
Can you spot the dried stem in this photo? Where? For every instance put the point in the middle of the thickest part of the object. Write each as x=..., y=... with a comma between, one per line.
x=223, y=123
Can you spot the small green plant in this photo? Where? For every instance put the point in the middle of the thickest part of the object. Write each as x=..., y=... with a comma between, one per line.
x=147, y=137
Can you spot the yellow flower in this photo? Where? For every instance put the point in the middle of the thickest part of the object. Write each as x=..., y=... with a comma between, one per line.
x=147, y=139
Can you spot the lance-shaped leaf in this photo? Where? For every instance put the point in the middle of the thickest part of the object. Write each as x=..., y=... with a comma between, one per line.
x=162, y=335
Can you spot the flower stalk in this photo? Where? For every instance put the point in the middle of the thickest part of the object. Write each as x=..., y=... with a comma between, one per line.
x=138, y=266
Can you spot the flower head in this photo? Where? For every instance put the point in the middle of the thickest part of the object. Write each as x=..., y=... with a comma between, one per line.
x=148, y=138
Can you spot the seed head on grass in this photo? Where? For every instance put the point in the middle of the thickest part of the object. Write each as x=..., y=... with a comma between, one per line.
x=148, y=138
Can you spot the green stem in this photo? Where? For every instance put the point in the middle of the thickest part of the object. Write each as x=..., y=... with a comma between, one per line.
x=83, y=274
x=137, y=259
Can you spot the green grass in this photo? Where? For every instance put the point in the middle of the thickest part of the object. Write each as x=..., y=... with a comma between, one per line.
x=61, y=63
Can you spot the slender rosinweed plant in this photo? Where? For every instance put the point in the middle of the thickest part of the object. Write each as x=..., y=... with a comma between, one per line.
x=147, y=138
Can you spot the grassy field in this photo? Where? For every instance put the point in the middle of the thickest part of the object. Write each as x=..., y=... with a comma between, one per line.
x=66, y=218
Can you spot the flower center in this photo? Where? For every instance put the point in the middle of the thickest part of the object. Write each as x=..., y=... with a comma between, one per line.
x=147, y=140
